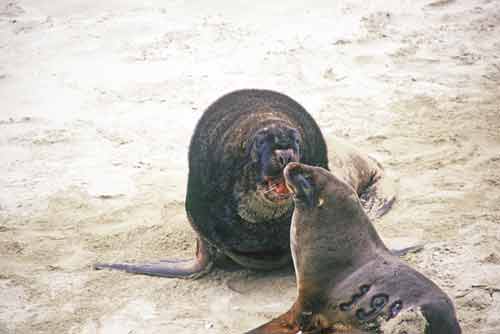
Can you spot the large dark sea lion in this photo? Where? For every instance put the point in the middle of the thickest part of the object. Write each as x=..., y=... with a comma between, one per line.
x=237, y=201
x=347, y=280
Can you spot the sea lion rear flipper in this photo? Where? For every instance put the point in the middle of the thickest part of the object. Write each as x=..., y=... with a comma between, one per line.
x=377, y=199
x=192, y=268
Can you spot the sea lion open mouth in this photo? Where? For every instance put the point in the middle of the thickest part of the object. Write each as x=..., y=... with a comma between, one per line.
x=275, y=189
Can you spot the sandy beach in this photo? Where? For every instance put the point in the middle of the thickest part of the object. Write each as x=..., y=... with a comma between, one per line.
x=99, y=100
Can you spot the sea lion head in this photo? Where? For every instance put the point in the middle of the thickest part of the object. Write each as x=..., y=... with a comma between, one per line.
x=315, y=189
x=274, y=147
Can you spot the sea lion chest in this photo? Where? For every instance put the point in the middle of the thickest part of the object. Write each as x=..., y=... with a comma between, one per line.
x=254, y=209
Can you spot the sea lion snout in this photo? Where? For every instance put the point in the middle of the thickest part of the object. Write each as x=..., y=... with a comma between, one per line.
x=298, y=183
x=273, y=148
x=284, y=157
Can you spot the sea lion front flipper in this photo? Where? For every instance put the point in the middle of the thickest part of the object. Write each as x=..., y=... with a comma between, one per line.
x=192, y=268
x=284, y=324
x=274, y=327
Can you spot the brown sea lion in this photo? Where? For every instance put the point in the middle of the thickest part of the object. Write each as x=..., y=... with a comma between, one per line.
x=237, y=201
x=347, y=280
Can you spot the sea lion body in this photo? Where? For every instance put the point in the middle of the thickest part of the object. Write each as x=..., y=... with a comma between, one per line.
x=391, y=291
x=347, y=280
x=222, y=200
x=236, y=200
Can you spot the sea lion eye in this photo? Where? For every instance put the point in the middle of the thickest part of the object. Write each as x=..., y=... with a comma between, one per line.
x=364, y=288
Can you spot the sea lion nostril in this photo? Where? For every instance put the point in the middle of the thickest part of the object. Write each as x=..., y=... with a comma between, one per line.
x=284, y=156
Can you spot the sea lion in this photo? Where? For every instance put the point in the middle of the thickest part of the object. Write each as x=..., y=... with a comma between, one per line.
x=347, y=280
x=237, y=201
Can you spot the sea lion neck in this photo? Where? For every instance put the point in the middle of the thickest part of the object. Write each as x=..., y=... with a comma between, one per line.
x=333, y=209
x=334, y=243
x=338, y=234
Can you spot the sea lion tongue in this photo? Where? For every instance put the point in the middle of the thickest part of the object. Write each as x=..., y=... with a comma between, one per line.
x=279, y=186
x=282, y=189
x=298, y=184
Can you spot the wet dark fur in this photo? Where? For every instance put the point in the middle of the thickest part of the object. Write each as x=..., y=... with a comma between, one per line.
x=241, y=144
x=219, y=157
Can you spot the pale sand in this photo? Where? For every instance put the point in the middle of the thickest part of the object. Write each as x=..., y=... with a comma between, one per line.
x=99, y=99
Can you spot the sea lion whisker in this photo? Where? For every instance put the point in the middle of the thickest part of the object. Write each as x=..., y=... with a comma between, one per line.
x=271, y=189
x=273, y=186
x=268, y=191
